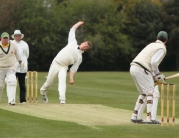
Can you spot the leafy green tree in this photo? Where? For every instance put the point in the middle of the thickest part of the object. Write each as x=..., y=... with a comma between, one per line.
x=143, y=19
x=103, y=26
x=171, y=21
x=33, y=19
x=118, y=29
x=10, y=11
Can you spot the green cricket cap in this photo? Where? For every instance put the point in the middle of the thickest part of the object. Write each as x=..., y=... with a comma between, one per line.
x=5, y=34
x=162, y=34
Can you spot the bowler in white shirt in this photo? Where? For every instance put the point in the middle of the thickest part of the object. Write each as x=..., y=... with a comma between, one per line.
x=71, y=54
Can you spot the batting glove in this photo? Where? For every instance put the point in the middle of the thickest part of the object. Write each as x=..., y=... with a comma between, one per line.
x=159, y=79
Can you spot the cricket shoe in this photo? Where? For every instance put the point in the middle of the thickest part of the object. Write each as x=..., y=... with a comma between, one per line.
x=154, y=122
x=12, y=103
x=62, y=101
x=44, y=98
x=134, y=120
x=140, y=121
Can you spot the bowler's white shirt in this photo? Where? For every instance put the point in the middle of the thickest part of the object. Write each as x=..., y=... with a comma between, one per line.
x=70, y=54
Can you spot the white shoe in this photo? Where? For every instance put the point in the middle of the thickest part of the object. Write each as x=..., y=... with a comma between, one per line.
x=154, y=122
x=12, y=103
x=44, y=98
x=148, y=119
x=134, y=117
x=134, y=120
x=62, y=101
x=140, y=121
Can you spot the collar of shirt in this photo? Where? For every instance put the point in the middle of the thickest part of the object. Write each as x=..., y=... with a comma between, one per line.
x=80, y=49
x=5, y=45
x=158, y=41
x=17, y=41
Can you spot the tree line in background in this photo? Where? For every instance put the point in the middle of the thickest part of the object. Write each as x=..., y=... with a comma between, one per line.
x=118, y=29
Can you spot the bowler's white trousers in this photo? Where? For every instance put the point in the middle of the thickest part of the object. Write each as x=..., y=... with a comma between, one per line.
x=56, y=70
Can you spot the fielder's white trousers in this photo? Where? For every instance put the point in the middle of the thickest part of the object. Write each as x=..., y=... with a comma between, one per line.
x=54, y=71
x=7, y=76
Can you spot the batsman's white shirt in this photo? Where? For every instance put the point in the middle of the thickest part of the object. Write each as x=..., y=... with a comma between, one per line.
x=144, y=80
x=145, y=56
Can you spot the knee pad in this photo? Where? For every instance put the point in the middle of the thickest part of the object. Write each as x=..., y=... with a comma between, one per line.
x=149, y=99
x=2, y=84
x=11, y=80
x=156, y=93
x=141, y=98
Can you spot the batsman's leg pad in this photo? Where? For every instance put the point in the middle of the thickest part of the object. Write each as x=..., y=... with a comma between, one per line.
x=11, y=80
x=156, y=93
x=139, y=103
x=141, y=109
x=156, y=96
x=2, y=84
x=149, y=107
x=11, y=87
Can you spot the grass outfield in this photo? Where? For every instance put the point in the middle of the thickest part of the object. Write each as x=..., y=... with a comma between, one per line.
x=99, y=105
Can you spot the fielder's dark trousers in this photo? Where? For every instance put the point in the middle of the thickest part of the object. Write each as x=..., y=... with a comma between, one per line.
x=21, y=80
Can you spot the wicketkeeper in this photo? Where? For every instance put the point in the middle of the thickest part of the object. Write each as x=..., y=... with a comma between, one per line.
x=71, y=54
x=144, y=71
x=8, y=55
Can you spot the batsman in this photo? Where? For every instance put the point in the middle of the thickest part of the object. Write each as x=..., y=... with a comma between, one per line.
x=145, y=73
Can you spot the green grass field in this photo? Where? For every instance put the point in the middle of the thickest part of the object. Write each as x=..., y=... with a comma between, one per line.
x=99, y=105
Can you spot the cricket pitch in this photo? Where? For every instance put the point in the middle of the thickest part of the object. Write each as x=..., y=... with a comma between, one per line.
x=84, y=114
